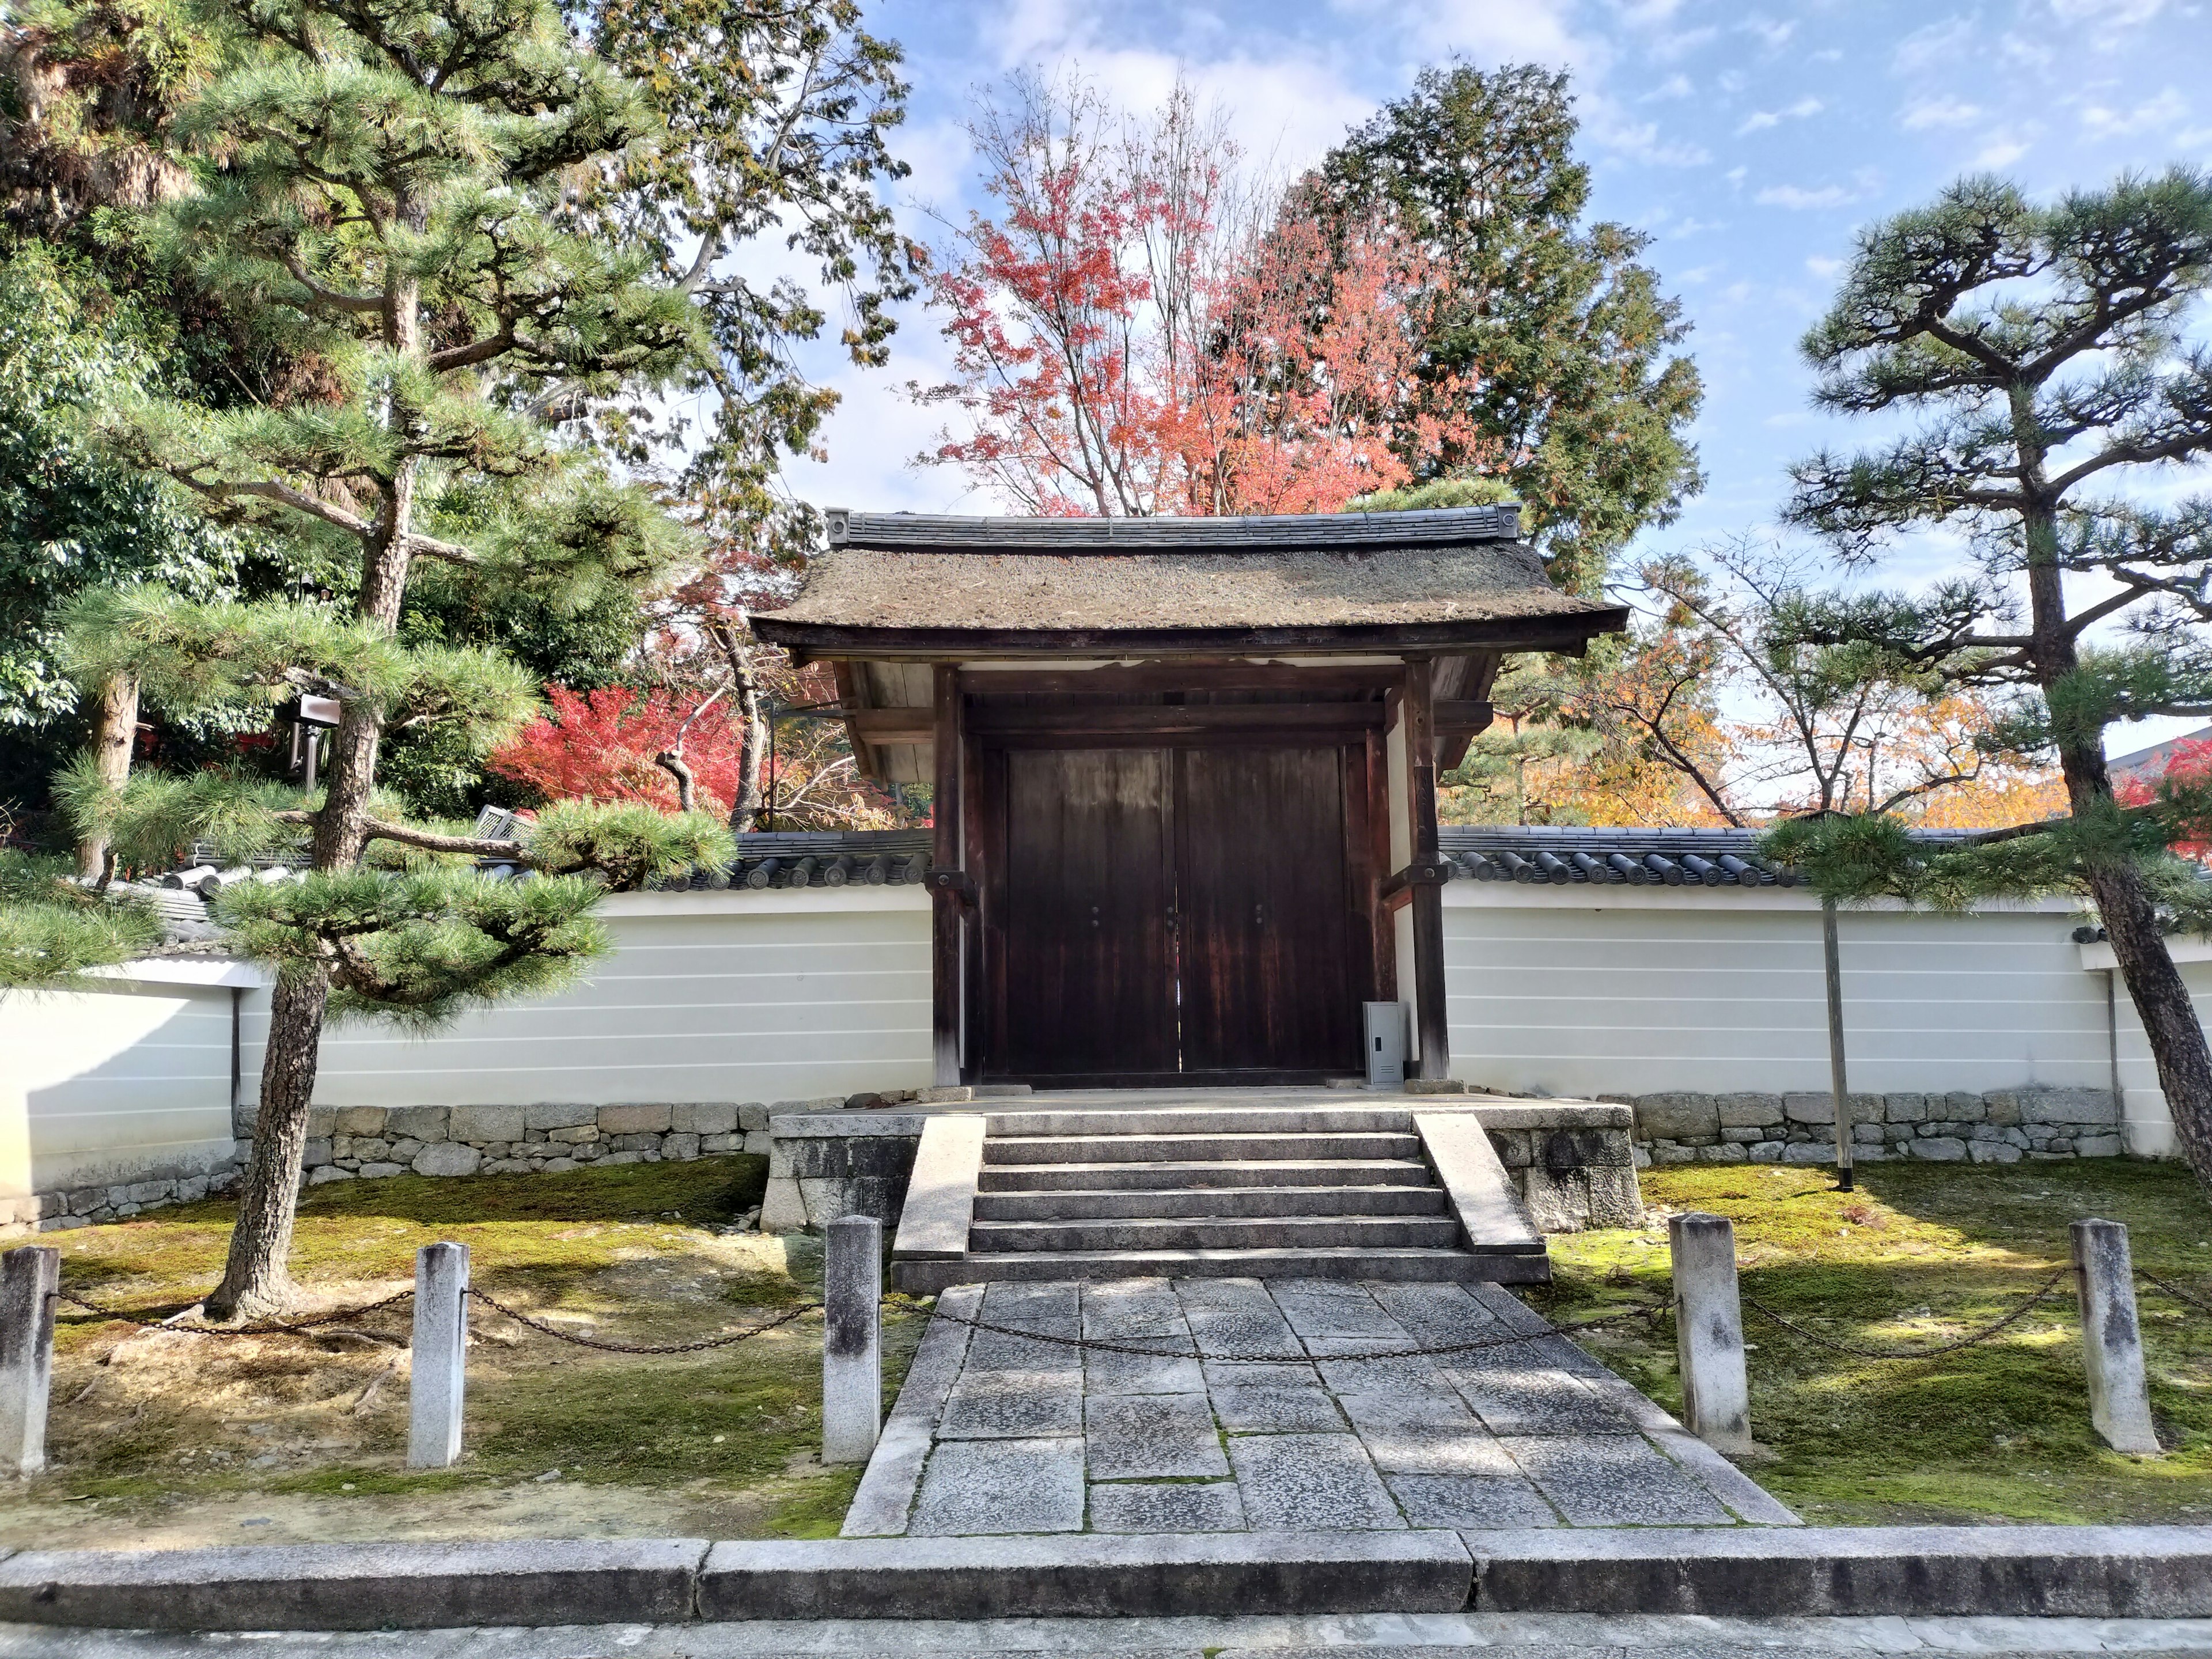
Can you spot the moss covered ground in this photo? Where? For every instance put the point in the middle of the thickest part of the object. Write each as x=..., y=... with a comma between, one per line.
x=171, y=1437
x=1918, y=1254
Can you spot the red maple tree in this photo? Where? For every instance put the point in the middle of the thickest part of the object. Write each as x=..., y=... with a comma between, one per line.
x=1134, y=332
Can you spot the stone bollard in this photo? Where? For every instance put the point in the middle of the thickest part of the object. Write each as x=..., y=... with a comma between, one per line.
x=1709, y=1331
x=852, y=1339
x=2112, y=1342
x=440, y=1366
x=30, y=1284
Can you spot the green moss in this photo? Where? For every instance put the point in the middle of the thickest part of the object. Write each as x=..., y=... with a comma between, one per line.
x=1921, y=1254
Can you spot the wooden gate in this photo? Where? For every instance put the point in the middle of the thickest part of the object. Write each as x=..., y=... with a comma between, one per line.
x=1155, y=915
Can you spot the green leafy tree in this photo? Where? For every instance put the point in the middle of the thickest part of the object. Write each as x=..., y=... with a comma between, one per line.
x=2048, y=353
x=1577, y=403
x=392, y=185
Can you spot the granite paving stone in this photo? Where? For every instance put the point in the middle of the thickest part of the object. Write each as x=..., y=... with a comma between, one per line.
x=1470, y=1502
x=1139, y=1437
x=1538, y=1401
x=1614, y=1481
x=1234, y=1315
x=1132, y=1308
x=1337, y=1360
x=1000, y=1405
x=982, y=1487
x=1432, y=1448
x=1236, y=1374
x=1176, y=1506
x=1269, y=1410
x=1407, y=1408
x=1321, y=1307
x=1128, y=1373
x=1436, y=1314
x=1310, y=1483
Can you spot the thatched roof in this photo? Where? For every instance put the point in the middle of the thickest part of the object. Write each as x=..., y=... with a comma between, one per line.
x=928, y=574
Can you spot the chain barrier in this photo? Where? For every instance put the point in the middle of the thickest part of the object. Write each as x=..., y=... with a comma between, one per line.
x=2036, y=1298
x=2178, y=1294
x=1097, y=1346
x=605, y=1347
x=263, y=1327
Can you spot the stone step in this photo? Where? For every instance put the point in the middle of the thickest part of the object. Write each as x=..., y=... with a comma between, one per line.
x=1078, y=1204
x=1211, y=1119
x=1288, y=1172
x=1315, y=1262
x=1287, y=1232
x=1189, y=1148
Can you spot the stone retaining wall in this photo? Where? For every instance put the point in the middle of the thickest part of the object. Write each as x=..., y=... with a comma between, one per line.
x=2002, y=1126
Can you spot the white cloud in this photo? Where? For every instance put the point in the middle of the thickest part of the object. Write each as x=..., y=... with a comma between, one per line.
x=1736, y=175
x=1772, y=35
x=1826, y=55
x=2164, y=111
x=1675, y=86
x=1646, y=14
x=1864, y=183
x=1943, y=111
x=2108, y=13
x=1670, y=47
x=1733, y=82
x=1997, y=154
x=1938, y=45
x=1524, y=32
x=1639, y=141
x=1759, y=120
x=1696, y=227
x=1820, y=265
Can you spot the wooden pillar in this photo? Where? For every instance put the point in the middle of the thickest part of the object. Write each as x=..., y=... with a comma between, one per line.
x=947, y=862
x=1419, y=712
x=1383, y=940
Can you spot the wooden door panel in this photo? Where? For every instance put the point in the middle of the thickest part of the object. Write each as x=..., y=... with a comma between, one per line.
x=1088, y=968
x=1266, y=911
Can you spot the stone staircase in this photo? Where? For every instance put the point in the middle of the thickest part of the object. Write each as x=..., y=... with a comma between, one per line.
x=1365, y=1192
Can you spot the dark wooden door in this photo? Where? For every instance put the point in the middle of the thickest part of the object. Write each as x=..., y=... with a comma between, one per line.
x=1088, y=930
x=1267, y=971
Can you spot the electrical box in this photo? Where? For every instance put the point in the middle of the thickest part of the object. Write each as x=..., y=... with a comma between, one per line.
x=1388, y=1025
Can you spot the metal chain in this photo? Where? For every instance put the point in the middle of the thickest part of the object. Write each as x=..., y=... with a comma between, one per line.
x=265, y=1327
x=1097, y=1346
x=2160, y=1285
x=701, y=1346
x=1984, y=1335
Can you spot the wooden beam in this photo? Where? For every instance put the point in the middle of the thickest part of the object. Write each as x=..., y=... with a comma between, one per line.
x=1566, y=634
x=1122, y=678
x=1429, y=1011
x=851, y=695
x=946, y=912
x=1169, y=720
x=881, y=726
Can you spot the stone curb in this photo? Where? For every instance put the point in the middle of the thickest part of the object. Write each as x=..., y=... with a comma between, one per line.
x=357, y=1586
x=1087, y=1575
x=2094, y=1572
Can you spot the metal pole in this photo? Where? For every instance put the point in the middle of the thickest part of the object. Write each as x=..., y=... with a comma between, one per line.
x=1837, y=1083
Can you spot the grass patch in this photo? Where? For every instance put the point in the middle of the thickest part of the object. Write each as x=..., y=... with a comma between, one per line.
x=1920, y=1255
x=167, y=1434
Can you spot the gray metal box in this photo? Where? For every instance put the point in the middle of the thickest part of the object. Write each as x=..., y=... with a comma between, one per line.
x=1388, y=1026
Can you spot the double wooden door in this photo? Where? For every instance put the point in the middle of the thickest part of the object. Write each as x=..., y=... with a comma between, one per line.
x=1155, y=914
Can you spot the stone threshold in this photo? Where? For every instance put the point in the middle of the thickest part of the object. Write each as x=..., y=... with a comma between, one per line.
x=2001, y=1571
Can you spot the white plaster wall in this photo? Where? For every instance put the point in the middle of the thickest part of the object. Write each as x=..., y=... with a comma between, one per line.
x=1653, y=989
x=130, y=1082
x=2150, y=1126
x=774, y=995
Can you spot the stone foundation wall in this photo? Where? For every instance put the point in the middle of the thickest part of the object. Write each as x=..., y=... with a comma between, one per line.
x=2000, y=1126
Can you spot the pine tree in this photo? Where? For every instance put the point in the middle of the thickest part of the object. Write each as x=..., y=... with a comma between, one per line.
x=397, y=184
x=2050, y=353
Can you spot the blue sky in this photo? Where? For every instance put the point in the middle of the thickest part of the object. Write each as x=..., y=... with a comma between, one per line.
x=1750, y=141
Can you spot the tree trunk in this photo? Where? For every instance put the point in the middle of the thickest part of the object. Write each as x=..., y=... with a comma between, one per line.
x=752, y=747
x=114, y=731
x=255, y=1282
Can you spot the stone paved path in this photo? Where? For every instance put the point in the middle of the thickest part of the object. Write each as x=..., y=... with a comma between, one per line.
x=1000, y=1434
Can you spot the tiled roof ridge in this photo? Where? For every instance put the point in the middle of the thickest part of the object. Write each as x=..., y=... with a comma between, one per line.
x=1431, y=527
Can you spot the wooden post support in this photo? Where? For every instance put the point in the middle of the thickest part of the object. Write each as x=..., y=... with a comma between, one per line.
x=30, y=1284
x=1709, y=1331
x=438, y=1366
x=1831, y=960
x=946, y=920
x=852, y=1339
x=1430, y=1011
x=2112, y=1342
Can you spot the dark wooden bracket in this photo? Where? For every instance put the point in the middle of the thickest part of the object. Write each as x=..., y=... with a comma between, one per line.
x=958, y=882
x=1421, y=872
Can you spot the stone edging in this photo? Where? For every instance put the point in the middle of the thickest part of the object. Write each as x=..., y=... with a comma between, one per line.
x=2098, y=1573
x=1999, y=1126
